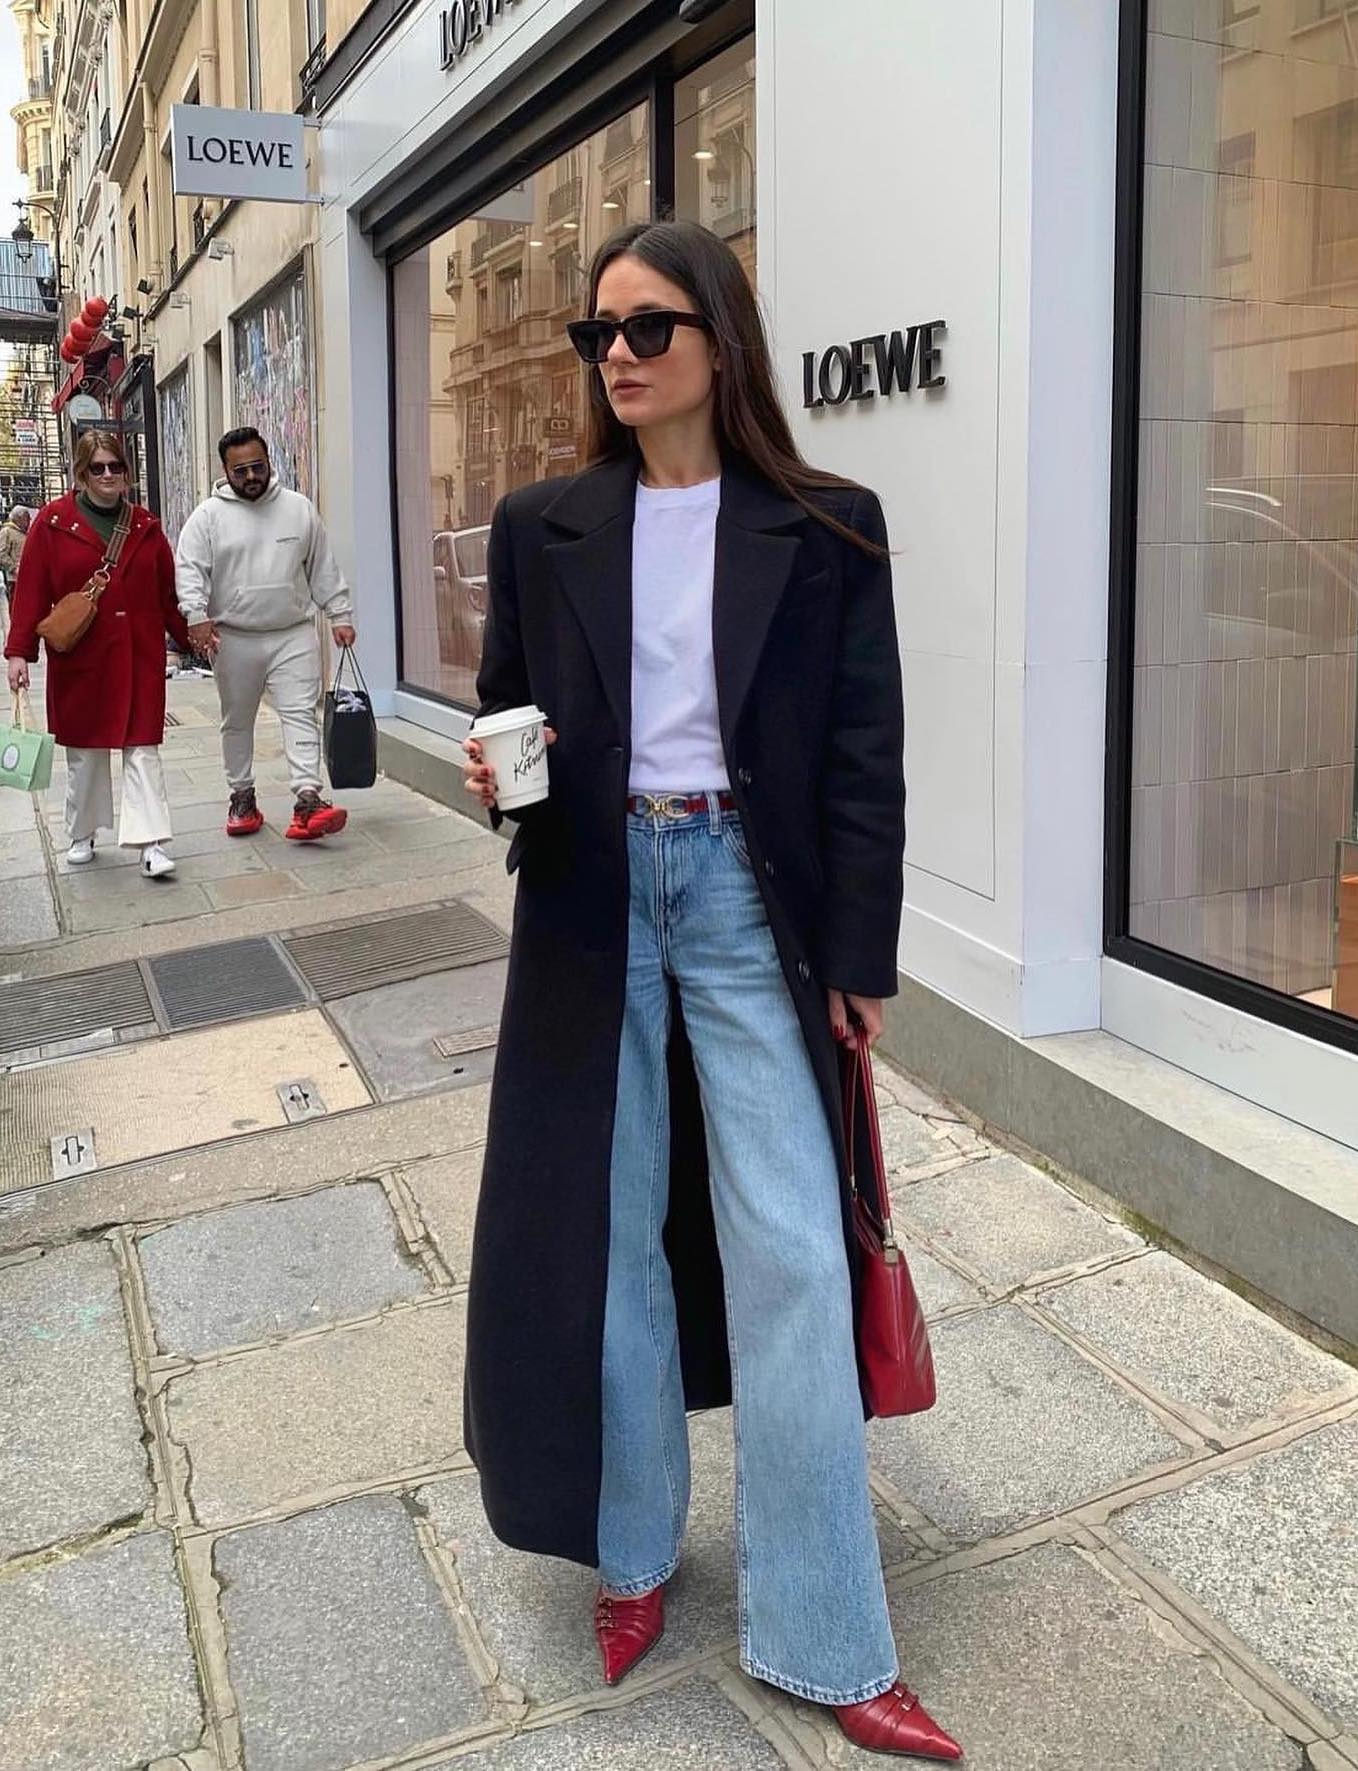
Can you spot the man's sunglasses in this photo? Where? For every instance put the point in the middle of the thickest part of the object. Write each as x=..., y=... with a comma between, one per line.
x=250, y=470
x=103, y=469
x=646, y=335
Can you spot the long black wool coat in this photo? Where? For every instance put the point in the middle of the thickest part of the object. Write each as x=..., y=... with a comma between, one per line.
x=809, y=693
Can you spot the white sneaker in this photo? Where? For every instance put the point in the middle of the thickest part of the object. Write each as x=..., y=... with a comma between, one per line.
x=82, y=852
x=155, y=863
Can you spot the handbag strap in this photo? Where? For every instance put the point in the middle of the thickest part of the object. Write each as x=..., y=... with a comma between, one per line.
x=18, y=701
x=859, y=1091
x=349, y=655
x=121, y=530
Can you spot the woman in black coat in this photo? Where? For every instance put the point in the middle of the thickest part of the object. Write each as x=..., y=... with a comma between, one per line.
x=708, y=896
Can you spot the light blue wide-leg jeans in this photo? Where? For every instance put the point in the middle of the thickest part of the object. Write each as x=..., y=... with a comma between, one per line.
x=813, y=1616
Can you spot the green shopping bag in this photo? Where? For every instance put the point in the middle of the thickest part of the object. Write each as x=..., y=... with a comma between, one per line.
x=25, y=755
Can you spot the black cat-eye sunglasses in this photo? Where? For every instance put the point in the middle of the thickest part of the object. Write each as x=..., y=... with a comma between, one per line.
x=647, y=335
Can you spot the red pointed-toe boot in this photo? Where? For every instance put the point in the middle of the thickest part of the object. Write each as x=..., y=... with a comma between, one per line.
x=896, y=1722
x=627, y=1629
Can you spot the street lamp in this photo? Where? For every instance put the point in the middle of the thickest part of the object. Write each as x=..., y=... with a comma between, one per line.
x=23, y=240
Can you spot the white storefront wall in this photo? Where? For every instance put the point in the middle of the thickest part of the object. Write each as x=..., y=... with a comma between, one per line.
x=914, y=164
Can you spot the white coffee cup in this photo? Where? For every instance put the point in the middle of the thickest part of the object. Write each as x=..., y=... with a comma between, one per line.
x=515, y=745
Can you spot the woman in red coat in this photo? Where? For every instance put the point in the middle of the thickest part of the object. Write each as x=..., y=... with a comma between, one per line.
x=109, y=692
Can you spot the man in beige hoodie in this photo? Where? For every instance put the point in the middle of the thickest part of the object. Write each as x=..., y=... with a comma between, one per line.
x=252, y=565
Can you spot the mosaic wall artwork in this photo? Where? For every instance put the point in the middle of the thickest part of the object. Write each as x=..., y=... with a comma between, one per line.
x=272, y=364
x=177, y=490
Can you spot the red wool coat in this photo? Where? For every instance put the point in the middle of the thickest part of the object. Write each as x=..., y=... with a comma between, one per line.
x=110, y=691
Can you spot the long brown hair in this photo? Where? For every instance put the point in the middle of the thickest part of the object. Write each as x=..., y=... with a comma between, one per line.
x=751, y=424
x=89, y=445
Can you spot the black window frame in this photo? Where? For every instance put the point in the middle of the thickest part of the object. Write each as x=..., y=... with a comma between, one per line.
x=1266, y=1004
x=654, y=87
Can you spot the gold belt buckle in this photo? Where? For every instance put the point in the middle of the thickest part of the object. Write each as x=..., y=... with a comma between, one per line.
x=664, y=805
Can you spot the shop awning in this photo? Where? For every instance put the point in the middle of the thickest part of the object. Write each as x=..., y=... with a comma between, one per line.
x=95, y=372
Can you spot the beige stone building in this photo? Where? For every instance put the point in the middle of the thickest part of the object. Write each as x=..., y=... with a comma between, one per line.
x=213, y=320
x=33, y=113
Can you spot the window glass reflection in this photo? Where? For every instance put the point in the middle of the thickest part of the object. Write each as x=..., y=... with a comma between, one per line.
x=1246, y=668
x=489, y=393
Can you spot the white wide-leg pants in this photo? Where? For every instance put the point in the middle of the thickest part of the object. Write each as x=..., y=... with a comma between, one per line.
x=145, y=814
x=285, y=667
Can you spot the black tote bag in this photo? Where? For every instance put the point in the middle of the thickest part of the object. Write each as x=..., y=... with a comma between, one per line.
x=350, y=729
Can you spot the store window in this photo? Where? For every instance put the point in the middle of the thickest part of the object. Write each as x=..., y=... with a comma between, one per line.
x=489, y=393
x=487, y=385
x=1243, y=842
x=272, y=381
x=714, y=149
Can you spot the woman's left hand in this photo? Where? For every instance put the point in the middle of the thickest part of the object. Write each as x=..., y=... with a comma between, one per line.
x=846, y=1011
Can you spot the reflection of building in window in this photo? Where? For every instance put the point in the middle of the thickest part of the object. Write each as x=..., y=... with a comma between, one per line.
x=1314, y=12
x=1327, y=157
x=1235, y=202
x=566, y=278
x=508, y=295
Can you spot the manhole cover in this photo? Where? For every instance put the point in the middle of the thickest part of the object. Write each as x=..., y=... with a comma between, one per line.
x=341, y=962
x=223, y=983
x=72, y=1007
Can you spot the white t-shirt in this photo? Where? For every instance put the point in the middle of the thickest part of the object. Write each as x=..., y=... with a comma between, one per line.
x=676, y=740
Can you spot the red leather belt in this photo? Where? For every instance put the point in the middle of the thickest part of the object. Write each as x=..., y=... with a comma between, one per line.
x=676, y=805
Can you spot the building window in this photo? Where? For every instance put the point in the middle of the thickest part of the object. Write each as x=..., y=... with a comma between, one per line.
x=481, y=402
x=254, y=86
x=489, y=395
x=1237, y=809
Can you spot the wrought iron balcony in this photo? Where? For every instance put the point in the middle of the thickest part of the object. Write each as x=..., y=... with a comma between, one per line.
x=564, y=200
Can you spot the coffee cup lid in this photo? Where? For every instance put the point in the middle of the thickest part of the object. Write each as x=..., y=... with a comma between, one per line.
x=511, y=720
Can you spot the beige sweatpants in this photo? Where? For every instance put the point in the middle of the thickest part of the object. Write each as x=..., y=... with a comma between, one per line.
x=285, y=667
x=145, y=813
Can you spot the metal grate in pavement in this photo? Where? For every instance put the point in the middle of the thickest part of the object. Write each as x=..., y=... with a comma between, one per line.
x=225, y=982
x=72, y=1007
x=339, y=962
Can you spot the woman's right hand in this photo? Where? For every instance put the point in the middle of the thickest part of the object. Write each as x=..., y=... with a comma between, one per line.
x=18, y=674
x=478, y=778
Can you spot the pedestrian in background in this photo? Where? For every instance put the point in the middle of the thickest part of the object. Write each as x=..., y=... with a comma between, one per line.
x=109, y=692
x=253, y=563
x=13, y=534
x=708, y=896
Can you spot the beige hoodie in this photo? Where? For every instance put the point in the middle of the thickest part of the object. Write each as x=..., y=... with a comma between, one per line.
x=258, y=566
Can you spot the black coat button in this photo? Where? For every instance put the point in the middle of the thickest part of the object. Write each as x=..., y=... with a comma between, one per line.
x=803, y=971
x=744, y=777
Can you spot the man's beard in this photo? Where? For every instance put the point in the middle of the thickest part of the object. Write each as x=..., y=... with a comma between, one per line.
x=253, y=490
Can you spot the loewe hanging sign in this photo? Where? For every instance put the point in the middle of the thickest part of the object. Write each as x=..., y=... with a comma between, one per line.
x=894, y=360
x=464, y=22
x=217, y=152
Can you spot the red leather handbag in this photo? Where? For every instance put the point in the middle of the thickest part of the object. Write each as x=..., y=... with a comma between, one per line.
x=894, y=1355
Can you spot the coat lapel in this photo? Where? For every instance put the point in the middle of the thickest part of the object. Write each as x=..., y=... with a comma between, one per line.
x=753, y=566
x=594, y=571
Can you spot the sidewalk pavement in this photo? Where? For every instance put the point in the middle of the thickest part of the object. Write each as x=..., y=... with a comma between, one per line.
x=239, y=1532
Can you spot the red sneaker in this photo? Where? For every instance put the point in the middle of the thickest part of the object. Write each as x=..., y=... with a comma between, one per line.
x=314, y=817
x=627, y=1629
x=243, y=816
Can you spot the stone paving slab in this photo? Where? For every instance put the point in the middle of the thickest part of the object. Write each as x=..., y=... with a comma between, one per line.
x=253, y=888
x=391, y=1030
x=71, y=1456
x=270, y=1268
x=1271, y=1549
x=1023, y=1427
x=1042, y=1663
x=446, y=1190
x=145, y=901
x=534, y=1611
x=318, y=1150
x=340, y=1645
x=937, y=1286
x=96, y=1671
x=1010, y=1221
x=339, y=1410
x=907, y=1141
x=26, y=910
x=16, y=813
x=690, y=1727
x=1196, y=1342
